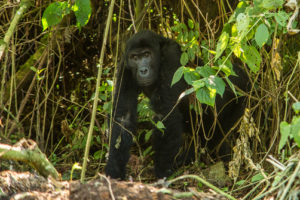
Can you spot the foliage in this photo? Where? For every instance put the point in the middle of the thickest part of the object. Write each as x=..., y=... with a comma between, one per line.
x=291, y=130
x=56, y=11
x=59, y=84
x=248, y=30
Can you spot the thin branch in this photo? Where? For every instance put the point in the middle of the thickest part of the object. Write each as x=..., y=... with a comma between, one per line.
x=88, y=142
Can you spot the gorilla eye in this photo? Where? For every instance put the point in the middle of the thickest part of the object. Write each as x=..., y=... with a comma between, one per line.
x=134, y=57
x=146, y=54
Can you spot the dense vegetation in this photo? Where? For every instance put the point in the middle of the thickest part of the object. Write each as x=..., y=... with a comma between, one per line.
x=50, y=55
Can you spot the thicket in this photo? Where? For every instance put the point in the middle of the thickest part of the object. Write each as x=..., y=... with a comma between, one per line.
x=49, y=53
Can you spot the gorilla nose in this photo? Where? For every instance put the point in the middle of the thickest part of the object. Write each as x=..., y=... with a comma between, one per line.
x=144, y=72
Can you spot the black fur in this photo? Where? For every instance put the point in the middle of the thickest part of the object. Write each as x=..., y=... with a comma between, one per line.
x=163, y=97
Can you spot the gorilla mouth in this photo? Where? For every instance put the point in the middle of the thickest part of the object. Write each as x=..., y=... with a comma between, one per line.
x=144, y=82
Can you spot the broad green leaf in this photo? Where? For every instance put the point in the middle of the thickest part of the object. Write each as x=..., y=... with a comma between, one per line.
x=281, y=17
x=237, y=50
x=285, y=129
x=191, y=35
x=198, y=84
x=226, y=66
x=191, y=76
x=191, y=52
x=251, y=57
x=54, y=13
x=242, y=24
x=83, y=10
x=269, y=4
x=261, y=35
x=222, y=44
x=215, y=83
x=177, y=75
x=184, y=59
x=204, y=96
x=240, y=8
x=295, y=129
x=225, y=69
x=205, y=71
x=296, y=107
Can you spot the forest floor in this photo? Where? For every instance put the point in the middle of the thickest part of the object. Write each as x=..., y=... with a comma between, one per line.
x=25, y=186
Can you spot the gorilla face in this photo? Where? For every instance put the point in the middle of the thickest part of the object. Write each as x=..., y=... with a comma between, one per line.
x=140, y=62
x=143, y=58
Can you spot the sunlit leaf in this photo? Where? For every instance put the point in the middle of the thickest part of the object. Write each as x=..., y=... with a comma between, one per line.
x=251, y=57
x=177, y=75
x=295, y=129
x=285, y=129
x=204, y=96
x=54, y=13
x=83, y=10
x=184, y=59
x=261, y=35
x=160, y=125
x=296, y=107
x=242, y=24
x=191, y=24
x=205, y=71
x=222, y=44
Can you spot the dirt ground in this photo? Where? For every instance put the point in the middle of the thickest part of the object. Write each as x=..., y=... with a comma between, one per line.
x=28, y=186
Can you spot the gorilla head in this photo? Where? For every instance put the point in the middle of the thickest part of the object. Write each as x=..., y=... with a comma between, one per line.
x=143, y=57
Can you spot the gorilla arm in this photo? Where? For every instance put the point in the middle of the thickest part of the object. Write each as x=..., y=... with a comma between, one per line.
x=124, y=119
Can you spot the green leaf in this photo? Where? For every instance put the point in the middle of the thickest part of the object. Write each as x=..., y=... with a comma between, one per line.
x=204, y=96
x=177, y=75
x=222, y=44
x=261, y=35
x=295, y=129
x=147, y=151
x=190, y=76
x=242, y=24
x=281, y=17
x=191, y=24
x=160, y=125
x=231, y=85
x=184, y=59
x=148, y=135
x=269, y=4
x=240, y=8
x=285, y=129
x=251, y=57
x=226, y=66
x=198, y=84
x=191, y=35
x=225, y=69
x=205, y=71
x=83, y=10
x=257, y=177
x=54, y=13
x=215, y=84
x=241, y=182
x=296, y=107
x=191, y=52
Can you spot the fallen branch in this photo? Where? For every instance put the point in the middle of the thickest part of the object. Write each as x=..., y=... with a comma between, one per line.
x=28, y=151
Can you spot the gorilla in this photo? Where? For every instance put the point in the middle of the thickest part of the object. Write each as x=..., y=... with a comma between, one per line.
x=148, y=66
